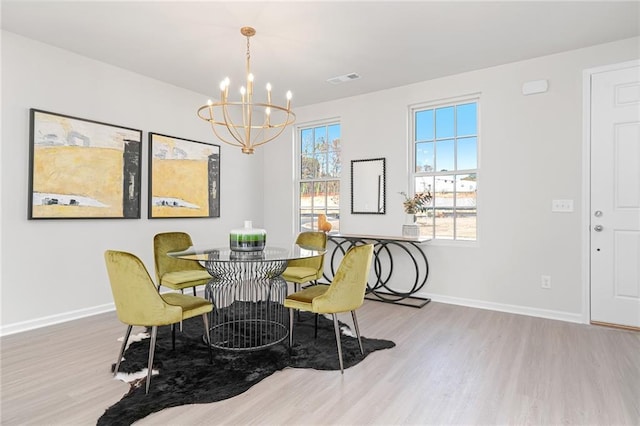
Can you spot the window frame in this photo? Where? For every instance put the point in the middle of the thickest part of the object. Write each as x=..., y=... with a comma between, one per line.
x=297, y=177
x=413, y=174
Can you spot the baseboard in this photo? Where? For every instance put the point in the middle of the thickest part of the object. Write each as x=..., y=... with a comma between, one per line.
x=512, y=309
x=19, y=327
x=6, y=330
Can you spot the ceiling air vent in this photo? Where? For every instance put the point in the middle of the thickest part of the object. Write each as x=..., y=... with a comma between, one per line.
x=344, y=78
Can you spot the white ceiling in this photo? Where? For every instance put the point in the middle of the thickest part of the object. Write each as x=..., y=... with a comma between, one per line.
x=301, y=44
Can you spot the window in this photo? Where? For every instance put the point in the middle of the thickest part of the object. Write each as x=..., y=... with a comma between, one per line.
x=445, y=163
x=319, y=168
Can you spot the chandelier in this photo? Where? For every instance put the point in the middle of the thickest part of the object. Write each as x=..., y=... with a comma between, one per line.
x=245, y=123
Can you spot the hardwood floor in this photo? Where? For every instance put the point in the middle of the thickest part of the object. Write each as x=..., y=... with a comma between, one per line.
x=451, y=365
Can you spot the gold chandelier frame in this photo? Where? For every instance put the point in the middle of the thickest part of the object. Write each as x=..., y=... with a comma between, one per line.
x=245, y=132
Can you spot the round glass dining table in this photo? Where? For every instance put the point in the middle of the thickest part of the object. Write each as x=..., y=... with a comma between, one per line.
x=247, y=292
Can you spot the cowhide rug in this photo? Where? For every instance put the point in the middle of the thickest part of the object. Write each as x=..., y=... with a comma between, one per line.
x=185, y=375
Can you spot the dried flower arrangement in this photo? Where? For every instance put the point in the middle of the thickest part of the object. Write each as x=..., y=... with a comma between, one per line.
x=417, y=203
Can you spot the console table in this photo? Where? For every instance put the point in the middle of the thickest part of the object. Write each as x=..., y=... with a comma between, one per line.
x=383, y=263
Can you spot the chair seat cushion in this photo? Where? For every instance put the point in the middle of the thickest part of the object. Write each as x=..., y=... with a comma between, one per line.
x=302, y=299
x=184, y=279
x=299, y=274
x=191, y=305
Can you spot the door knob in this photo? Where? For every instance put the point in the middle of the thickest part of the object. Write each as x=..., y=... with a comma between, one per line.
x=597, y=228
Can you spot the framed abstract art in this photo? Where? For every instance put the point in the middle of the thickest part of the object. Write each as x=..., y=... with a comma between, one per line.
x=184, y=178
x=82, y=169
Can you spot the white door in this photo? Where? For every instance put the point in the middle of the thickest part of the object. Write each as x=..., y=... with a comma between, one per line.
x=615, y=196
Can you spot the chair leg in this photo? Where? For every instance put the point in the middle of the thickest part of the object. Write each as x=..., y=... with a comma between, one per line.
x=355, y=324
x=124, y=345
x=194, y=290
x=207, y=332
x=315, y=327
x=152, y=349
x=290, y=328
x=173, y=337
x=339, y=344
x=296, y=288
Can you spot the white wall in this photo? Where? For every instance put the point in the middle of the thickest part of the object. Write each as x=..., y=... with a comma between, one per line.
x=530, y=153
x=54, y=270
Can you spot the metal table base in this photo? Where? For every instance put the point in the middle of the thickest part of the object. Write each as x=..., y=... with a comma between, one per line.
x=248, y=298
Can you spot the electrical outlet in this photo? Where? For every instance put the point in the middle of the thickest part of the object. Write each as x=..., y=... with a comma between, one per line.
x=545, y=281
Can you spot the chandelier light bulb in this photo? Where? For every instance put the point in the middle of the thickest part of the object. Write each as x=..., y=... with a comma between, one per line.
x=289, y=96
x=209, y=102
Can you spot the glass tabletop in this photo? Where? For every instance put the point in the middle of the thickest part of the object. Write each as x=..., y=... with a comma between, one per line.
x=225, y=254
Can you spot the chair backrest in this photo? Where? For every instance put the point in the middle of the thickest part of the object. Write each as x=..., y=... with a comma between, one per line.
x=171, y=241
x=346, y=292
x=311, y=239
x=136, y=298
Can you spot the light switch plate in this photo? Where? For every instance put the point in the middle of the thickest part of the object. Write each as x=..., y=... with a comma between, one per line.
x=563, y=206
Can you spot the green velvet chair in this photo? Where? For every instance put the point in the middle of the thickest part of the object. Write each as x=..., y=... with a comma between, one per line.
x=176, y=274
x=138, y=303
x=344, y=294
x=302, y=271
